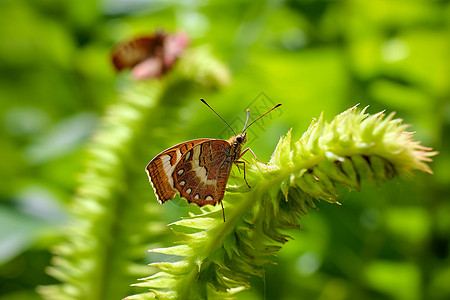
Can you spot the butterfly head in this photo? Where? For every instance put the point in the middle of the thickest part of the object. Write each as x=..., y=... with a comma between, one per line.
x=241, y=138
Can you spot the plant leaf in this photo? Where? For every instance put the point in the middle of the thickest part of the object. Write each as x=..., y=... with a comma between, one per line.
x=355, y=146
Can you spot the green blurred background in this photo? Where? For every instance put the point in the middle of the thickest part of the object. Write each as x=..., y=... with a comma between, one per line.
x=388, y=242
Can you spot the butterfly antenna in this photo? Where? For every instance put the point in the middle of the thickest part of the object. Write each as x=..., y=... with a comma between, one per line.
x=245, y=127
x=248, y=115
x=201, y=99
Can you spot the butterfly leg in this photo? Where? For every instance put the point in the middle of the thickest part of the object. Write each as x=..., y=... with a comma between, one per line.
x=251, y=151
x=245, y=160
x=242, y=162
x=223, y=211
x=239, y=169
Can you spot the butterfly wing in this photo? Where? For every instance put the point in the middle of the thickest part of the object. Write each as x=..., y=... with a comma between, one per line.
x=202, y=174
x=129, y=54
x=161, y=168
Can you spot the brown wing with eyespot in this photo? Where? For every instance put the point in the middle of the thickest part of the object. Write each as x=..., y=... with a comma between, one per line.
x=161, y=168
x=202, y=174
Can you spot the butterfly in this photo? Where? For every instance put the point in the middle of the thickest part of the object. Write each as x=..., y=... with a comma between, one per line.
x=198, y=170
x=149, y=56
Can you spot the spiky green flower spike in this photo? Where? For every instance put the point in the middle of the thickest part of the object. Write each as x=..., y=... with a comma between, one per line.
x=217, y=257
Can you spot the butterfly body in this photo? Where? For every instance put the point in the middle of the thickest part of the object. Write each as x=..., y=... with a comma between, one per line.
x=197, y=170
x=149, y=56
x=133, y=52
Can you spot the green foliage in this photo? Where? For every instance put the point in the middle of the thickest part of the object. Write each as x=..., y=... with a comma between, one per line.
x=57, y=82
x=352, y=148
x=109, y=231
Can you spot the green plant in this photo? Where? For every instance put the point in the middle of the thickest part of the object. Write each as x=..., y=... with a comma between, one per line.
x=355, y=146
x=109, y=232
x=111, y=229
